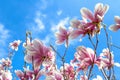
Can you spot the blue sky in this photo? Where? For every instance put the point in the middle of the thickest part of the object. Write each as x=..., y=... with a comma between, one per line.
x=42, y=17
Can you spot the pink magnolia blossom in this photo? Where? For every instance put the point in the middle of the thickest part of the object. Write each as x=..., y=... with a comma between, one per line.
x=106, y=61
x=55, y=75
x=68, y=71
x=95, y=18
x=116, y=26
x=52, y=73
x=85, y=55
x=39, y=54
x=91, y=23
x=83, y=77
x=29, y=74
x=5, y=75
x=79, y=26
x=14, y=45
x=62, y=36
x=6, y=62
x=23, y=75
x=1, y=67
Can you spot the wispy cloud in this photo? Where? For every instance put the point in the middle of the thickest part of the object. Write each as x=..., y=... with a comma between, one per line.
x=62, y=22
x=37, y=26
x=49, y=39
x=4, y=36
x=59, y=12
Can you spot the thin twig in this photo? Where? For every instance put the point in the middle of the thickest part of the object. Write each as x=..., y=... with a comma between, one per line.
x=55, y=51
x=95, y=48
x=115, y=46
x=104, y=74
x=106, y=33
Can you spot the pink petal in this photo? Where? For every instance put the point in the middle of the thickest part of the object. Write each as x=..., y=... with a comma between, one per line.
x=117, y=19
x=114, y=27
x=100, y=9
x=37, y=43
x=75, y=23
x=75, y=34
x=63, y=30
x=86, y=13
x=19, y=73
x=28, y=58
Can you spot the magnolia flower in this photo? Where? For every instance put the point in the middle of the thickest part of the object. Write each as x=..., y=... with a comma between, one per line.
x=6, y=62
x=83, y=58
x=86, y=55
x=106, y=59
x=39, y=54
x=116, y=26
x=29, y=74
x=79, y=26
x=91, y=23
x=14, y=45
x=83, y=77
x=1, y=67
x=95, y=18
x=55, y=75
x=23, y=75
x=98, y=78
x=68, y=71
x=62, y=36
x=5, y=75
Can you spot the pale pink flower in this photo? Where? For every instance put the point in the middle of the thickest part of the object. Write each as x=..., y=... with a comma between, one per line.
x=105, y=60
x=83, y=77
x=5, y=75
x=91, y=23
x=55, y=75
x=6, y=62
x=14, y=45
x=85, y=54
x=62, y=36
x=98, y=15
x=81, y=66
x=83, y=58
x=29, y=74
x=39, y=54
x=1, y=67
x=68, y=71
x=52, y=73
x=22, y=75
x=79, y=26
x=116, y=26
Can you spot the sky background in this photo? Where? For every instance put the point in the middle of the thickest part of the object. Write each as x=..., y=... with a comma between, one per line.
x=43, y=17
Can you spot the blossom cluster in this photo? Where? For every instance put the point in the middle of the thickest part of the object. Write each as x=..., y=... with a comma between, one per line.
x=40, y=59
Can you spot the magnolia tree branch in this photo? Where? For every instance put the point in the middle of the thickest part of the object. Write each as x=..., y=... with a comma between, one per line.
x=108, y=45
x=95, y=48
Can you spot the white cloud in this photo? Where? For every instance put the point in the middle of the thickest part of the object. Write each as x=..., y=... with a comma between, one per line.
x=98, y=78
x=117, y=64
x=62, y=22
x=59, y=12
x=4, y=36
x=49, y=39
x=37, y=26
